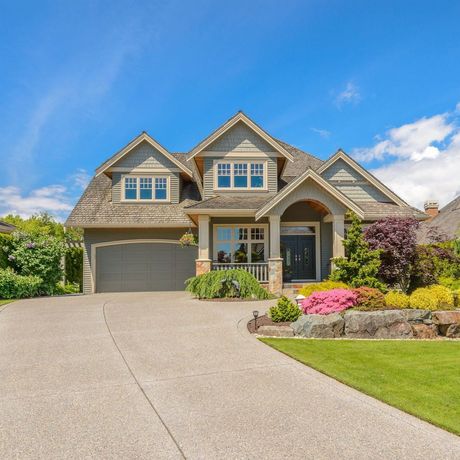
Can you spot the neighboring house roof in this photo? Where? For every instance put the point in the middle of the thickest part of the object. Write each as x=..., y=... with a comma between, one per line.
x=143, y=137
x=96, y=209
x=6, y=228
x=239, y=117
x=446, y=224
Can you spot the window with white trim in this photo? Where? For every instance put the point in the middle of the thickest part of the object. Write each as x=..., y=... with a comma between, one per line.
x=145, y=188
x=240, y=243
x=247, y=175
x=224, y=175
x=161, y=184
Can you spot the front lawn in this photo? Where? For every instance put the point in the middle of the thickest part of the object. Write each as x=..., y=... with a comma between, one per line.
x=419, y=377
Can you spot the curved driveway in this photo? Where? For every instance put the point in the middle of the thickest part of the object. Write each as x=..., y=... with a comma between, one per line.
x=165, y=376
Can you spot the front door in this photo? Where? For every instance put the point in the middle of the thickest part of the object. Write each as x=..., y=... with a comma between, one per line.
x=299, y=258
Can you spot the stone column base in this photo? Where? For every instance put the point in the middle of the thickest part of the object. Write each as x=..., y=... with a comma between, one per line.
x=202, y=266
x=275, y=276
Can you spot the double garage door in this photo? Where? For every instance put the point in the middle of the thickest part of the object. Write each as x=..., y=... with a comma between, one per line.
x=144, y=267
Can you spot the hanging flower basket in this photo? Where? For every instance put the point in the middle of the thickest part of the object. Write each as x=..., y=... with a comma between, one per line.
x=188, y=239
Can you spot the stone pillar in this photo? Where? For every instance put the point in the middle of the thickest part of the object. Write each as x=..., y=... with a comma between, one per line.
x=203, y=263
x=202, y=266
x=275, y=276
x=338, y=233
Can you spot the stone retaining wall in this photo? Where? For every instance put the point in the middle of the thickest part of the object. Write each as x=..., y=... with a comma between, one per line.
x=386, y=324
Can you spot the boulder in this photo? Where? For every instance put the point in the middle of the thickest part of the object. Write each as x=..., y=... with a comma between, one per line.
x=276, y=331
x=453, y=331
x=417, y=316
x=387, y=324
x=319, y=326
x=446, y=317
x=424, y=331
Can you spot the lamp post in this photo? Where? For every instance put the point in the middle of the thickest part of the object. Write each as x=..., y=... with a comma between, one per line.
x=299, y=299
x=255, y=313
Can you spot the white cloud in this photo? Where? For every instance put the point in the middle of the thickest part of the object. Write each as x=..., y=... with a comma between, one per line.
x=52, y=199
x=350, y=94
x=80, y=179
x=324, y=133
x=424, y=159
x=415, y=141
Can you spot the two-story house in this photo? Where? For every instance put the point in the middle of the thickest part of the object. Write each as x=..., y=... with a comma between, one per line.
x=254, y=201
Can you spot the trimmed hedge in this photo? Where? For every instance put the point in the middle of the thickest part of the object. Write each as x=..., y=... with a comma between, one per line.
x=14, y=286
x=369, y=299
x=396, y=299
x=435, y=297
x=221, y=284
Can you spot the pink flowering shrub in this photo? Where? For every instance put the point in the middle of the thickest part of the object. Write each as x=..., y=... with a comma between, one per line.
x=333, y=301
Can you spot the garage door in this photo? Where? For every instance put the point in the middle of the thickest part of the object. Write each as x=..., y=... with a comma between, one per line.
x=144, y=267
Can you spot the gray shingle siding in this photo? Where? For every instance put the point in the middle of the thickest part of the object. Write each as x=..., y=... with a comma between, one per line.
x=144, y=156
x=352, y=184
x=208, y=178
x=240, y=138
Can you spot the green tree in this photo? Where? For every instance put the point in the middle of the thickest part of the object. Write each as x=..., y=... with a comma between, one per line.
x=361, y=265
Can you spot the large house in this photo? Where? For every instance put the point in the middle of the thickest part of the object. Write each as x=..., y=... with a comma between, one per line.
x=254, y=201
x=6, y=228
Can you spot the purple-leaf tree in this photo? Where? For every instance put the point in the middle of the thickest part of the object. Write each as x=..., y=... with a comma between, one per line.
x=397, y=240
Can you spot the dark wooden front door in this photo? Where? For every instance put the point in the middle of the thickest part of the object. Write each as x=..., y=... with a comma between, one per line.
x=299, y=257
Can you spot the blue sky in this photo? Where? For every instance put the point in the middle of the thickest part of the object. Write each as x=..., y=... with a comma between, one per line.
x=80, y=79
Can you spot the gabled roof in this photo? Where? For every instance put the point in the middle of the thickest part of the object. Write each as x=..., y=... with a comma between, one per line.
x=96, y=209
x=341, y=155
x=240, y=116
x=309, y=174
x=134, y=143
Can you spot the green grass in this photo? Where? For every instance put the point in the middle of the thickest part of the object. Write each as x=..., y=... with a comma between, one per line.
x=418, y=377
x=5, y=301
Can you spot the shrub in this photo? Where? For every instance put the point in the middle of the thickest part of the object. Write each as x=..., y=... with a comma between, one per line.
x=68, y=288
x=333, y=301
x=37, y=256
x=432, y=298
x=424, y=299
x=327, y=285
x=444, y=295
x=14, y=286
x=451, y=283
x=226, y=283
x=361, y=265
x=369, y=299
x=74, y=266
x=397, y=241
x=284, y=310
x=396, y=299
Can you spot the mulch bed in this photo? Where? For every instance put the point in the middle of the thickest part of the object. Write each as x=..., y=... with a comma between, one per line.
x=264, y=320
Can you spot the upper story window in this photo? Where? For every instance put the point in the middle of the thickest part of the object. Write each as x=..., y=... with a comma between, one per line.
x=246, y=175
x=145, y=188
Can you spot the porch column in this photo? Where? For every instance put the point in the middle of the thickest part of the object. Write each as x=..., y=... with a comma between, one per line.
x=203, y=263
x=338, y=233
x=275, y=262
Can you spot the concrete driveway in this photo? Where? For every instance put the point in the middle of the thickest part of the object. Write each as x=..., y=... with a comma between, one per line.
x=164, y=376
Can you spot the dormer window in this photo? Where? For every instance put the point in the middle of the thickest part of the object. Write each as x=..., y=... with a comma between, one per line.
x=145, y=188
x=241, y=175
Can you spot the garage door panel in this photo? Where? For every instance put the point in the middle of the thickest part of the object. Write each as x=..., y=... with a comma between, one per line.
x=143, y=267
